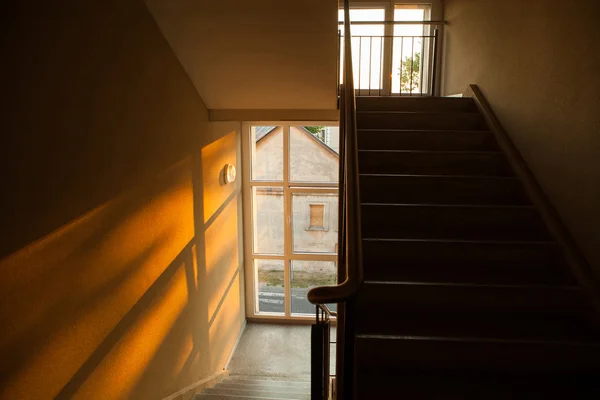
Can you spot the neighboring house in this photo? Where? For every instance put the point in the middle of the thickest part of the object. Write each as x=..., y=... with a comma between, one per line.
x=314, y=216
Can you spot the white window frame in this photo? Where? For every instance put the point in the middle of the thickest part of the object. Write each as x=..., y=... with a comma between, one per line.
x=289, y=189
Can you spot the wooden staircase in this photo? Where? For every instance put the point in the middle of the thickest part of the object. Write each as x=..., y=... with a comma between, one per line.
x=466, y=295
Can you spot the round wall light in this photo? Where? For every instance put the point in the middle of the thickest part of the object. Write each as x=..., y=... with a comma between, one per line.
x=228, y=173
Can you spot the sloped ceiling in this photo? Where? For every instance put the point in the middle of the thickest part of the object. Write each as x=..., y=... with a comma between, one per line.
x=255, y=54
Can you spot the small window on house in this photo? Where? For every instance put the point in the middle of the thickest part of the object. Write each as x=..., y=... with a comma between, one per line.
x=317, y=217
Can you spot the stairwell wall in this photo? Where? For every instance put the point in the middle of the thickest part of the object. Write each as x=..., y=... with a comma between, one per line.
x=537, y=64
x=120, y=259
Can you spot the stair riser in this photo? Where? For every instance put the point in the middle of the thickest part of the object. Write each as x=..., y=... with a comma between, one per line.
x=427, y=140
x=422, y=104
x=439, y=222
x=433, y=121
x=463, y=262
x=460, y=299
x=475, y=356
x=454, y=254
x=441, y=190
x=473, y=325
x=411, y=163
x=483, y=274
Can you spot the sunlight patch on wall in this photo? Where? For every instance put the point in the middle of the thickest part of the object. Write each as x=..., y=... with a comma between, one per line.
x=222, y=258
x=64, y=294
x=225, y=328
x=128, y=360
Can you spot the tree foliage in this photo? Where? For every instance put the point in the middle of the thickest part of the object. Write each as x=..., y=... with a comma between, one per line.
x=317, y=131
x=410, y=73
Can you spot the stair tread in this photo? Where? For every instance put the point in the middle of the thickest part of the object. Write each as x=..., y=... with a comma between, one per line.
x=458, y=152
x=455, y=240
x=473, y=112
x=266, y=388
x=248, y=379
x=216, y=396
x=434, y=176
x=287, y=394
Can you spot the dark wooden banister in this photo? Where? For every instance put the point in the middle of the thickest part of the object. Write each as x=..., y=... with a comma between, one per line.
x=349, y=236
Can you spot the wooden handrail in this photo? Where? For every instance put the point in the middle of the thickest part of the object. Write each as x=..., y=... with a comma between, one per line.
x=349, y=231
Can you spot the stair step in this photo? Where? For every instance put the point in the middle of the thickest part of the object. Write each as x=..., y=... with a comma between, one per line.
x=476, y=385
x=432, y=104
x=419, y=120
x=482, y=324
x=235, y=383
x=436, y=189
x=250, y=380
x=408, y=221
x=439, y=353
x=436, y=140
x=283, y=394
x=464, y=262
x=214, y=396
x=265, y=388
x=461, y=298
x=433, y=163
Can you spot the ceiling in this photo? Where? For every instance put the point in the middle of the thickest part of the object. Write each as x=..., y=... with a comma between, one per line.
x=260, y=54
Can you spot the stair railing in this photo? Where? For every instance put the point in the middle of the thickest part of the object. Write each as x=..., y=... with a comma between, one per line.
x=350, y=269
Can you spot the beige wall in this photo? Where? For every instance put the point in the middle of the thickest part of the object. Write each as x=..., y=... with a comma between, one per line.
x=537, y=63
x=120, y=259
x=260, y=54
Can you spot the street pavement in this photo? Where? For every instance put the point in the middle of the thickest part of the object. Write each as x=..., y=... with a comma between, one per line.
x=271, y=299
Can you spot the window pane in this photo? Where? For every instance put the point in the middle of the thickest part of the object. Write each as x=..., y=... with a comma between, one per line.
x=367, y=47
x=314, y=222
x=267, y=153
x=268, y=220
x=269, y=286
x=408, y=56
x=306, y=275
x=314, y=154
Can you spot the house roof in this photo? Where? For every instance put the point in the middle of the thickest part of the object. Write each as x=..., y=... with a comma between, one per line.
x=262, y=131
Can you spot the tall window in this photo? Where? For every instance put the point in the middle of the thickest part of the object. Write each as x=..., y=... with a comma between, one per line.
x=291, y=195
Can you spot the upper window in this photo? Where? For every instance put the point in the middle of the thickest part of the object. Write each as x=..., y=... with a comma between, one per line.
x=317, y=217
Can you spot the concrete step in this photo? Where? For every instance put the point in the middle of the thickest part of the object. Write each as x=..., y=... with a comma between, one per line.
x=436, y=189
x=433, y=163
x=213, y=396
x=435, y=140
x=409, y=221
x=430, y=104
x=419, y=120
x=296, y=389
x=257, y=381
x=265, y=394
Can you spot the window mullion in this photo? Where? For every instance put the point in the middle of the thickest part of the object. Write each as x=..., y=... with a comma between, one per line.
x=287, y=207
